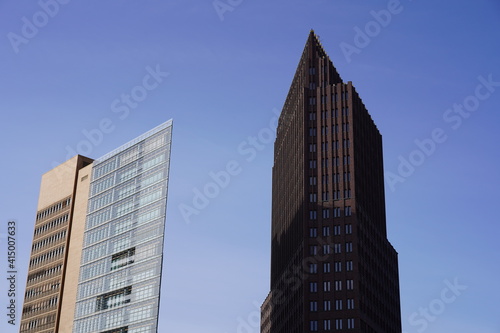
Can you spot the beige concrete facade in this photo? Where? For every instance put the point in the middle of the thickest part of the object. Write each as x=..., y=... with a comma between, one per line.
x=49, y=253
x=70, y=285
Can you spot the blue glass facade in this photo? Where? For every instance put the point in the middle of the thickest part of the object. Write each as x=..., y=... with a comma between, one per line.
x=120, y=274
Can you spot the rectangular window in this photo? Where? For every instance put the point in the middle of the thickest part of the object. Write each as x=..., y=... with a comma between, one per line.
x=350, y=284
x=338, y=324
x=313, y=197
x=313, y=232
x=338, y=285
x=336, y=230
x=114, y=298
x=313, y=287
x=312, y=164
x=337, y=248
x=336, y=212
x=326, y=286
x=326, y=249
x=347, y=211
x=350, y=323
x=312, y=180
x=313, y=325
x=326, y=213
x=326, y=267
x=348, y=247
x=313, y=250
x=313, y=214
x=324, y=196
x=350, y=303
x=349, y=266
x=327, y=305
x=313, y=306
x=123, y=258
x=326, y=231
x=348, y=229
x=313, y=268
x=338, y=266
x=338, y=304
x=312, y=147
x=327, y=324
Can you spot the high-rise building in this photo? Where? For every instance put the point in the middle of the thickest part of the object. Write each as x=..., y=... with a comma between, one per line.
x=97, y=249
x=332, y=267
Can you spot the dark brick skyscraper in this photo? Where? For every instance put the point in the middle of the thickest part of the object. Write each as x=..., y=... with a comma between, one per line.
x=332, y=267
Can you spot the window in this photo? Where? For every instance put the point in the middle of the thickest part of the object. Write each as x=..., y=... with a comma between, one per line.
x=337, y=248
x=326, y=267
x=338, y=304
x=324, y=147
x=350, y=303
x=312, y=164
x=336, y=212
x=347, y=160
x=312, y=147
x=326, y=286
x=312, y=116
x=123, y=258
x=347, y=176
x=327, y=324
x=348, y=229
x=313, y=232
x=114, y=298
x=313, y=250
x=312, y=131
x=313, y=268
x=313, y=325
x=350, y=284
x=350, y=323
x=313, y=306
x=327, y=305
x=338, y=266
x=338, y=285
x=347, y=193
x=326, y=249
x=336, y=230
x=338, y=324
x=313, y=197
x=313, y=287
x=349, y=265
x=347, y=211
x=324, y=196
x=326, y=213
x=324, y=179
x=348, y=247
x=313, y=214
x=312, y=180
x=326, y=231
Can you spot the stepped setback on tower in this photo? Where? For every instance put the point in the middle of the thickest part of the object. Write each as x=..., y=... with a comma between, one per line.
x=332, y=267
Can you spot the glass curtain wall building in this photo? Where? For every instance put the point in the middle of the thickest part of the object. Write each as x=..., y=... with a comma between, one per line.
x=121, y=263
x=96, y=257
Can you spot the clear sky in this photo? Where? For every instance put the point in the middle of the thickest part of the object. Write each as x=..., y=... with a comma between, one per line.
x=428, y=72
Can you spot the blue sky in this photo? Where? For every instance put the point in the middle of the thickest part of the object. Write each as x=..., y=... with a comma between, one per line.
x=222, y=74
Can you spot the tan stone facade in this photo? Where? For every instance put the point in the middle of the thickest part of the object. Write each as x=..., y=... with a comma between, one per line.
x=49, y=253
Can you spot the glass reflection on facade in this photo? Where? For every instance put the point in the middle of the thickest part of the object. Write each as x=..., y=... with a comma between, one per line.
x=119, y=284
